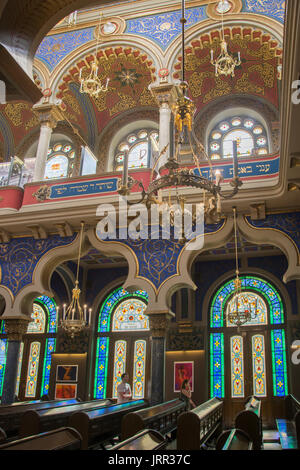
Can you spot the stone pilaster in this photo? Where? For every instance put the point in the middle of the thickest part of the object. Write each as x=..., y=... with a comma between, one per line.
x=49, y=115
x=158, y=327
x=164, y=96
x=15, y=329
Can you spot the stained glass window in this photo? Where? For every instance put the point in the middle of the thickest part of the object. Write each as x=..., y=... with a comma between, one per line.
x=237, y=366
x=259, y=366
x=19, y=368
x=129, y=316
x=100, y=382
x=39, y=320
x=280, y=386
x=112, y=301
x=250, y=134
x=60, y=161
x=33, y=367
x=3, y=350
x=139, y=364
x=140, y=145
x=217, y=365
x=119, y=364
x=249, y=301
x=49, y=349
x=266, y=293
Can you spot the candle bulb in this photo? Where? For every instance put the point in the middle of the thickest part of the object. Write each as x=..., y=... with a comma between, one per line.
x=212, y=54
x=80, y=72
x=57, y=315
x=90, y=315
x=73, y=312
x=64, y=314
x=239, y=56
x=84, y=310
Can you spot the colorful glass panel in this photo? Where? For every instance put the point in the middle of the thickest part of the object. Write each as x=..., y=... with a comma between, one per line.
x=39, y=320
x=32, y=372
x=49, y=350
x=3, y=350
x=100, y=382
x=119, y=364
x=259, y=366
x=217, y=365
x=57, y=167
x=237, y=367
x=280, y=385
x=111, y=303
x=245, y=143
x=262, y=287
x=129, y=316
x=19, y=368
x=249, y=301
x=139, y=364
x=50, y=306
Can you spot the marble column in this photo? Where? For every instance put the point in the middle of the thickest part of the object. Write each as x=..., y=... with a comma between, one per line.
x=164, y=96
x=49, y=116
x=158, y=328
x=15, y=328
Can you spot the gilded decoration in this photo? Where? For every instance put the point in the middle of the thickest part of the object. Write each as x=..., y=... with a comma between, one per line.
x=15, y=113
x=288, y=223
x=19, y=258
x=193, y=341
x=271, y=8
x=257, y=74
x=159, y=323
x=16, y=328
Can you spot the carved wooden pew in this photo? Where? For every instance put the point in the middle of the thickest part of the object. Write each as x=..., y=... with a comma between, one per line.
x=289, y=428
x=148, y=439
x=38, y=421
x=98, y=426
x=250, y=421
x=162, y=418
x=10, y=415
x=234, y=439
x=198, y=425
x=57, y=439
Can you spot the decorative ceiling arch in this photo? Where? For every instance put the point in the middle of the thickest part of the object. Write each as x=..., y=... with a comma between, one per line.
x=260, y=56
x=130, y=71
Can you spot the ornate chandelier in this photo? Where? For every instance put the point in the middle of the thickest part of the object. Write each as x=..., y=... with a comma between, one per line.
x=236, y=314
x=91, y=84
x=224, y=64
x=74, y=317
x=170, y=174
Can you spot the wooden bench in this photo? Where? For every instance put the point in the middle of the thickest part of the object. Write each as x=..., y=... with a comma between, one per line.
x=289, y=427
x=234, y=439
x=38, y=421
x=148, y=439
x=98, y=426
x=250, y=421
x=58, y=439
x=10, y=415
x=196, y=426
x=162, y=418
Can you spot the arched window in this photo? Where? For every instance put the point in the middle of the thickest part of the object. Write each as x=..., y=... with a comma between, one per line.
x=140, y=144
x=60, y=161
x=250, y=134
x=122, y=342
x=35, y=351
x=258, y=362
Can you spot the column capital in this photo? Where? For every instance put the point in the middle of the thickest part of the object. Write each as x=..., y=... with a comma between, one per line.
x=164, y=93
x=49, y=114
x=16, y=327
x=159, y=321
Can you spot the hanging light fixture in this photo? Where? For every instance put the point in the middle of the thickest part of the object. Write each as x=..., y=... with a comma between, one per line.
x=236, y=312
x=183, y=110
x=91, y=84
x=74, y=317
x=225, y=64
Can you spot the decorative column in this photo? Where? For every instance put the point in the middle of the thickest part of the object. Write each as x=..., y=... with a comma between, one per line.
x=158, y=328
x=15, y=329
x=49, y=116
x=164, y=95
